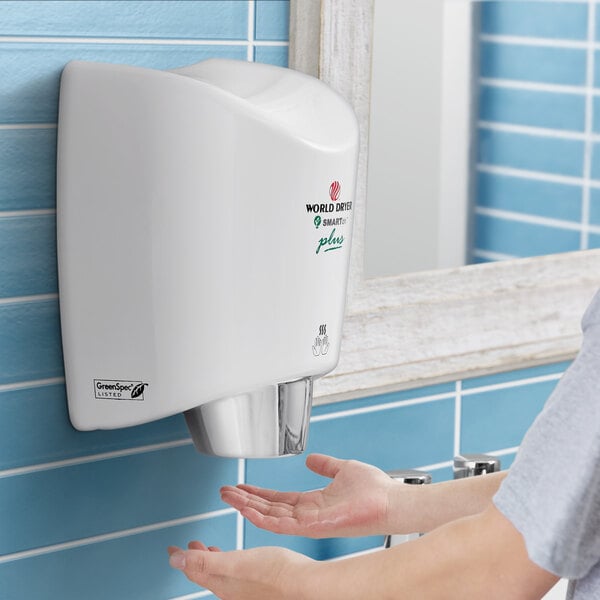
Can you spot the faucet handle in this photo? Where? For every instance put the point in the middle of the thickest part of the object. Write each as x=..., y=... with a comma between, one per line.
x=409, y=477
x=472, y=465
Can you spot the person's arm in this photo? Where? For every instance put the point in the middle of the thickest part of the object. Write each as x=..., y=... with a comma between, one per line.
x=361, y=500
x=481, y=556
x=439, y=503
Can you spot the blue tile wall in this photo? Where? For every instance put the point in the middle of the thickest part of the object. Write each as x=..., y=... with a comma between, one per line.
x=530, y=196
x=595, y=207
x=500, y=418
x=206, y=20
x=272, y=20
x=534, y=108
x=504, y=236
x=565, y=66
x=536, y=154
x=531, y=153
x=132, y=567
x=89, y=514
x=561, y=20
x=32, y=239
x=30, y=347
x=27, y=173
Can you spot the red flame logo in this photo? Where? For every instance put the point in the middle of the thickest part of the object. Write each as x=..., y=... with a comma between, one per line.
x=334, y=190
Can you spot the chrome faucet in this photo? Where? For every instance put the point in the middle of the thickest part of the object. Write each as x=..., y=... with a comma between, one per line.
x=472, y=465
x=410, y=477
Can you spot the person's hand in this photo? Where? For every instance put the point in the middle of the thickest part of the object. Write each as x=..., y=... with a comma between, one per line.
x=256, y=574
x=355, y=503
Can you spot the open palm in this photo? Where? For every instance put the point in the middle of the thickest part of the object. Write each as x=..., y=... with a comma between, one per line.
x=355, y=503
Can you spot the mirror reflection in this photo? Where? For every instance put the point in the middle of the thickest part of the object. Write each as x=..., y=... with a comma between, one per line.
x=484, y=141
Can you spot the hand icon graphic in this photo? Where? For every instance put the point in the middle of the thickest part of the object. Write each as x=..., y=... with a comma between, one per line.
x=317, y=347
x=325, y=347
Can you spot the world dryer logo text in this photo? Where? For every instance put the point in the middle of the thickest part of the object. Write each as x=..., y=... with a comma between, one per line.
x=330, y=240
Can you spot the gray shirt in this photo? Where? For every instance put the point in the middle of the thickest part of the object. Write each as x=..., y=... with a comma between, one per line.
x=552, y=492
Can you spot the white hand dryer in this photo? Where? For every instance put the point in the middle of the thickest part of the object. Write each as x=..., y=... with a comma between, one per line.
x=204, y=223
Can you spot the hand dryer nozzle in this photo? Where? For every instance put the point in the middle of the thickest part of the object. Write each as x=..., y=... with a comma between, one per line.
x=269, y=422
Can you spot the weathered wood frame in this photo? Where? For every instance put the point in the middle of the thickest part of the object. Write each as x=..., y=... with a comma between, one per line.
x=422, y=328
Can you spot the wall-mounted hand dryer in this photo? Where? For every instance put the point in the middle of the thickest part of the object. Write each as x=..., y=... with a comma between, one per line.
x=204, y=223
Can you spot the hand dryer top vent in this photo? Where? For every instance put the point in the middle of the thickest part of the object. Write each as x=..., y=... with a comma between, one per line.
x=204, y=218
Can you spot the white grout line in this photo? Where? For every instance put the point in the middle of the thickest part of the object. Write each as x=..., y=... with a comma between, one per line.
x=433, y=398
x=28, y=126
x=251, y=28
x=24, y=299
x=533, y=86
x=113, y=535
x=71, y=462
x=380, y=407
x=538, y=131
x=534, y=219
x=511, y=384
x=457, y=417
x=33, y=212
x=590, y=138
x=25, y=385
x=240, y=525
x=203, y=594
x=526, y=174
x=137, y=41
x=436, y=466
x=492, y=255
x=535, y=41
x=504, y=452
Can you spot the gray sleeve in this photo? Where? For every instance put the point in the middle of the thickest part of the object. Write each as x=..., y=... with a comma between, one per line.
x=552, y=492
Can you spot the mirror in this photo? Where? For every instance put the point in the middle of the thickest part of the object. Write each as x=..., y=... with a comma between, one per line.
x=421, y=127
x=419, y=328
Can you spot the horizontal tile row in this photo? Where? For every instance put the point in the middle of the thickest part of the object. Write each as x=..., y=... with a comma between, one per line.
x=40, y=430
x=59, y=505
x=200, y=20
x=30, y=72
x=500, y=418
x=564, y=66
x=28, y=256
x=553, y=20
x=557, y=111
x=534, y=108
x=30, y=342
x=530, y=196
x=522, y=239
x=27, y=169
x=514, y=378
x=531, y=152
x=528, y=64
x=133, y=568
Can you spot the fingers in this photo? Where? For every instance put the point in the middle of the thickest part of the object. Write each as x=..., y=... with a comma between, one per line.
x=321, y=464
x=179, y=559
x=285, y=525
x=197, y=546
x=290, y=498
x=199, y=566
x=200, y=546
x=240, y=498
